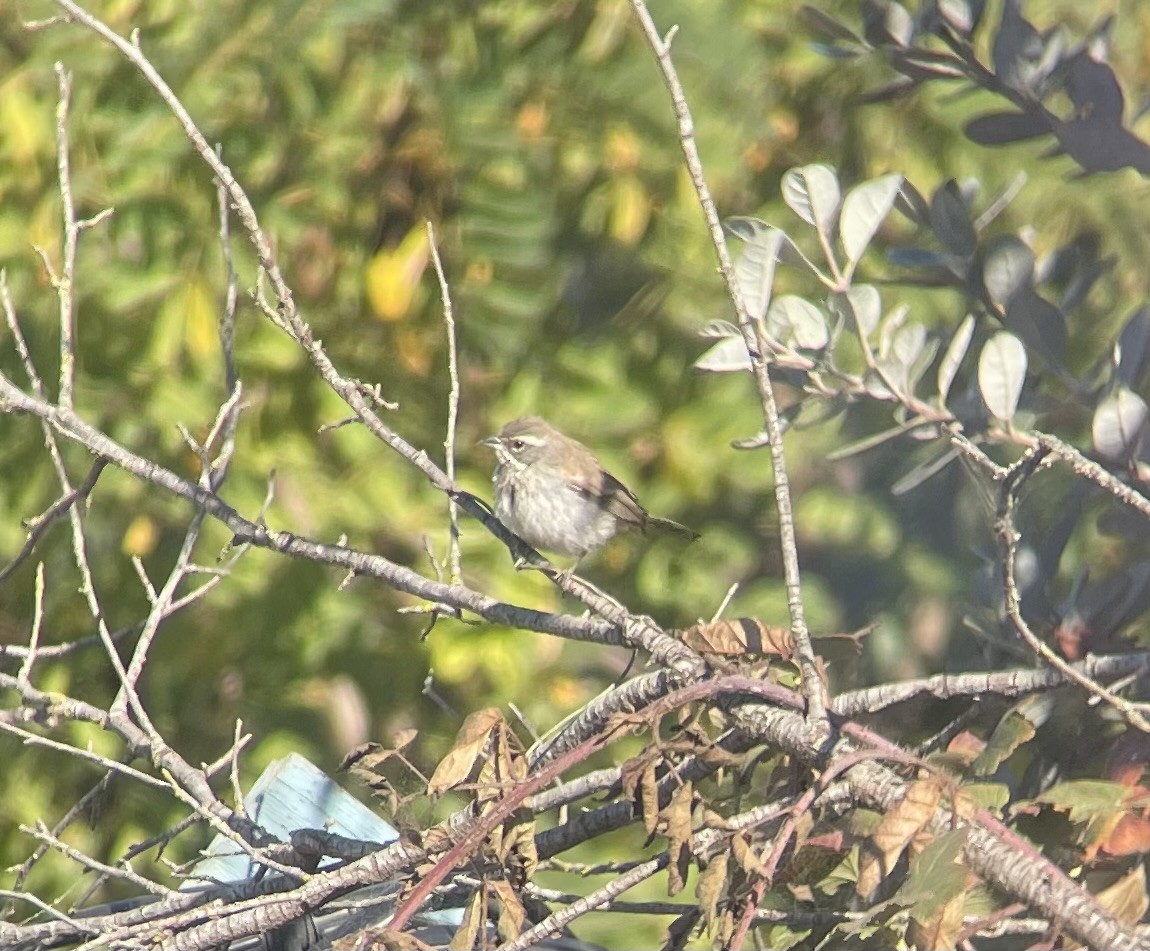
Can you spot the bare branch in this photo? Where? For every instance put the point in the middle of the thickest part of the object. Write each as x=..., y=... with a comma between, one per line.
x=812, y=683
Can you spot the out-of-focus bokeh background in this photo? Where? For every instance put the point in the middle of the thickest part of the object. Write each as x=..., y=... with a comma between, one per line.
x=538, y=137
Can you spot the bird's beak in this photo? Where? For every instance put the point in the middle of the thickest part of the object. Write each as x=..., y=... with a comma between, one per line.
x=491, y=442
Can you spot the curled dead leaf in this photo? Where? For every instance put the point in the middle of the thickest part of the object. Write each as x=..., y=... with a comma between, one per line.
x=739, y=636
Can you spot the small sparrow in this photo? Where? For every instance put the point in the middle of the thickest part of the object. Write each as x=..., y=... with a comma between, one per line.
x=552, y=492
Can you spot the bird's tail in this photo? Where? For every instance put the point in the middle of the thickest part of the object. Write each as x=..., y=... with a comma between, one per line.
x=669, y=527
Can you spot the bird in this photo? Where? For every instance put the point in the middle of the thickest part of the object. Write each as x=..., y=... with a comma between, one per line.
x=553, y=492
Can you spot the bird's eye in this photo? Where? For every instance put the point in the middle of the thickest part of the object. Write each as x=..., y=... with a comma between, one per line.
x=518, y=445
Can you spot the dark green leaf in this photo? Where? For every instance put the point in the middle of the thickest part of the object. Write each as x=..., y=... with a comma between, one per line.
x=1003, y=128
x=1007, y=269
x=950, y=219
x=1132, y=351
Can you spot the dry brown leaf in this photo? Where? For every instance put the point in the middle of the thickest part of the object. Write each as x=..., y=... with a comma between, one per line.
x=714, y=820
x=649, y=793
x=512, y=914
x=366, y=756
x=677, y=816
x=435, y=840
x=941, y=931
x=467, y=934
x=402, y=739
x=966, y=746
x=380, y=939
x=739, y=636
x=457, y=765
x=519, y=841
x=502, y=768
x=1126, y=898
x=710, y=887
x=1131, y=836
x=895, y=831
x=630, y=775
x=746, y=856
x=725, y=932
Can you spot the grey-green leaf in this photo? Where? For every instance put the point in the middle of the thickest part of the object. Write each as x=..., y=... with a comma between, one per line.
x=1119, y=425
x=805, y=324
x=718, y=329
x=812, y=192
x=729, y=355
x=865, y=306
x=1001, y=373
x=952, y=359
x=864, y=210
x=755, y=270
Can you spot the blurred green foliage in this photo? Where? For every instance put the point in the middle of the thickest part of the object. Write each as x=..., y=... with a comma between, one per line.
x=539, y=139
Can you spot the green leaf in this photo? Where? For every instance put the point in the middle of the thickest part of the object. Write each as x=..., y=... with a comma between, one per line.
x=935, y=876
x=864, y=210
x=1084, y=799
x=1001, y=373
x=991, y=796
x=1019, y=726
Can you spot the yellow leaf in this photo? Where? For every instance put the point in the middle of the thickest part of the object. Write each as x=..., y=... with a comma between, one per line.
x=27, y=135
x=393, y=275
x=630, y=209
x=201, y=328
x=141, y=537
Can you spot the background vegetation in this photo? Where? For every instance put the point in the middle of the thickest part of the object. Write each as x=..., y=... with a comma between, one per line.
x=538, y=139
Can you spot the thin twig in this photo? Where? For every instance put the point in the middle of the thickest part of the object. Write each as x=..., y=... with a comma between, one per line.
x=23, y=677
x=64, y=288
x=454, y=558
x=20, y=343
x=41, y=834
x=813, y=686
x=555, y=924
x=1008, y=538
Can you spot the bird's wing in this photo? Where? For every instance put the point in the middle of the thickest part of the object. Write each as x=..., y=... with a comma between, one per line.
x=616, y=498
